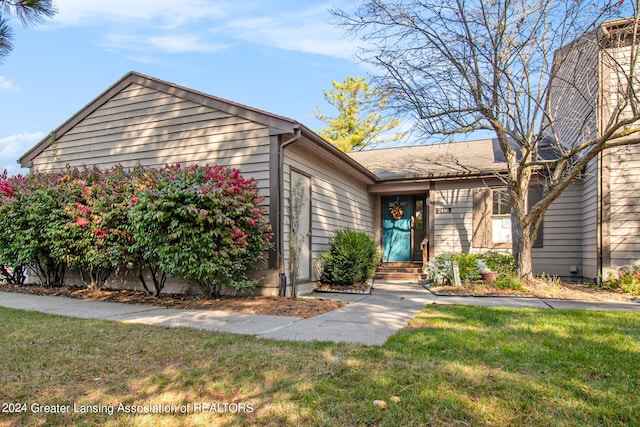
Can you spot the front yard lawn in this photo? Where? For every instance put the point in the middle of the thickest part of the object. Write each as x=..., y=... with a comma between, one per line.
x=453, y=365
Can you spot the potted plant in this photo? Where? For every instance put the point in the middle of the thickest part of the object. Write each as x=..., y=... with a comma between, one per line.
x=487, y=275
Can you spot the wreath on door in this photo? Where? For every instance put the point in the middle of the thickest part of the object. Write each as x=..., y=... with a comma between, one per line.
x=396, y=211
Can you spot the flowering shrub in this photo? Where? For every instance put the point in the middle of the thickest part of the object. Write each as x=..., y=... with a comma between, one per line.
x=29, y=214
x=12, y=266
x=195, y=223
x=96, y=231
x=202, y=224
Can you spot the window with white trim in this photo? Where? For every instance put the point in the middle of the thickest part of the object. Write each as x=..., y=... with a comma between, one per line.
x=501, y=217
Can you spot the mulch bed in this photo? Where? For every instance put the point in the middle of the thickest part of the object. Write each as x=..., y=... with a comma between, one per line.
x=539, y=289
x=356, y=288
x=269, y=305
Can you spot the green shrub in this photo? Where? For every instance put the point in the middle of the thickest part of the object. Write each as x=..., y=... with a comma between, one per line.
x=352, y=257
x=509, y=282
x=501, y=263
x=439, y=268
x=467, y=265
x=627, y=280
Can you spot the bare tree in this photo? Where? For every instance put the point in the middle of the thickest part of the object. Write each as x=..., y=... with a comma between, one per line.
x=460, y=66
x=29, y=12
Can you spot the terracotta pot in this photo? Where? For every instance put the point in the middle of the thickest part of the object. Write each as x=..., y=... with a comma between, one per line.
x=489, y=276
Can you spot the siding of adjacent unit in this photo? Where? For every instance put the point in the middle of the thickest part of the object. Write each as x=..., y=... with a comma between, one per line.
x=624, y=214
x=141, y=125
x=338, y=200
x=562, y=236
x=573, y=94
x=589, y=223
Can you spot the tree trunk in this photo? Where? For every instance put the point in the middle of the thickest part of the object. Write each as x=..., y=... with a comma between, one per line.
x=522, y=242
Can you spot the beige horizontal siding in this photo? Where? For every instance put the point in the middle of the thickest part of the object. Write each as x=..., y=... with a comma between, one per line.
x=144, y=126
x=337, y=199
x=589, y=223
x=453, y=231
x=562, y=235
x=573, y=94
x=146, y=131
x=625, y=206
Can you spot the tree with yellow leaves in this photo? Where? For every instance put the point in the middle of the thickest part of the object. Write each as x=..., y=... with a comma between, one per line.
x=359, y=122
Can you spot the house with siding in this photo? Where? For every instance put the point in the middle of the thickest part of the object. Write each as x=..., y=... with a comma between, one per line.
x=146, y=121
x=418, y=202
x=588, y=94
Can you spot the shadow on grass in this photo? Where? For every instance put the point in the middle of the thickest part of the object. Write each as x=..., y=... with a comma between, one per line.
x=454, y=365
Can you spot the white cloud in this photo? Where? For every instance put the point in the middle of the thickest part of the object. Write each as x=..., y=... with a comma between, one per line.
x=165, y=13
x=308, y=30
x=186, y=43
x=167, y=43
x=206, y=26
x=7, y=85
x=13, y=147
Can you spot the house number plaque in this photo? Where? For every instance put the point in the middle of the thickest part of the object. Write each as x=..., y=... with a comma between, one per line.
x=443, y=210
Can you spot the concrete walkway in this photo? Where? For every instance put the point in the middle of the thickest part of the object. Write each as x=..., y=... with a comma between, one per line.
x=367, y=319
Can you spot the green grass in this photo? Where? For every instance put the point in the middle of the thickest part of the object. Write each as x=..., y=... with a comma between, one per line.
x=453, y=366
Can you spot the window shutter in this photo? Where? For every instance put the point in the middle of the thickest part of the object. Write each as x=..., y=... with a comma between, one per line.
x=534, y=196
x=482, y=210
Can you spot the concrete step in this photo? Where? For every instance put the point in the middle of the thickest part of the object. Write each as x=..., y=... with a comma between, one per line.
x=405, y=277
x=399, y=269
x=405, y=271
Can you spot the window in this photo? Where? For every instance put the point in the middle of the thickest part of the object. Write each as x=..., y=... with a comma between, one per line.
x=492, y=217
x=501, y=203
x=501, y=217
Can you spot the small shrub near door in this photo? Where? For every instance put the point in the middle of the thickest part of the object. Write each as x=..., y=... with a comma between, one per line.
x=352, y=257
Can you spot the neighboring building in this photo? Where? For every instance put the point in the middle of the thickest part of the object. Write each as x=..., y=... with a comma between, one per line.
x=438, y=198
x=587, y=93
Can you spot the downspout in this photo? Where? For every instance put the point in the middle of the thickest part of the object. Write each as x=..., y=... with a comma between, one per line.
x=280, y=240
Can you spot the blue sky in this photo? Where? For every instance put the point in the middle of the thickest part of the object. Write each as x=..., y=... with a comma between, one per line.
x=277, y=56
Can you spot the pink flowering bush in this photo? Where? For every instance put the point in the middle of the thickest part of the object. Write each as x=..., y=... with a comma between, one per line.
x=96, y=234
x=202, y=224
x=30, y=214
x=197, y=223
x=12, y=261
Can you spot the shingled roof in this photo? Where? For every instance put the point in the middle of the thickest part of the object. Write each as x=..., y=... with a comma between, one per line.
x=449, y=160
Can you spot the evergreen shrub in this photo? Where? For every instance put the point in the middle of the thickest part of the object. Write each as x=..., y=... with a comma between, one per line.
x=352, y=257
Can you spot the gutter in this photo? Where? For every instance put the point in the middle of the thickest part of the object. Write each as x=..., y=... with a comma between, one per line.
x=280, y=238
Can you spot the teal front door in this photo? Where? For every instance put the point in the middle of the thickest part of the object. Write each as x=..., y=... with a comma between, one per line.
x=396, y=228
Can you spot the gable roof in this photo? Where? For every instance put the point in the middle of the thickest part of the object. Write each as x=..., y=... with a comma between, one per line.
x=278, y=124
x=438, y=161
